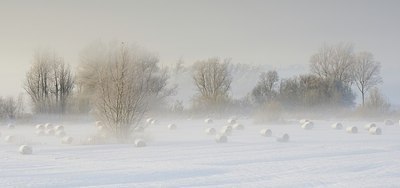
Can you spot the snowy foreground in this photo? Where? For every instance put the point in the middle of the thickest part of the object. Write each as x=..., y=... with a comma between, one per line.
x=187, y=157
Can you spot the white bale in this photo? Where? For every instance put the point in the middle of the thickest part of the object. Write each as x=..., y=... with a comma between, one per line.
x=221, y=138
x=238, y=126
x=50, y=132
x=98, y=123
x=10, y=126
x=149, y=120
x=302, y=121
x=139, y=129
x=208, y=121
x=337, y=126
x=40, y=133
x=283, y=138
x=211, y=131
x=307, y=125
x=172, y=126
x=266, y=132
x=40, y=126
x=60, y=133
x=25, y=150
x=352, y=129
x=375, y=131
x=140, y=143
x=231, y=121
x=226, y=130
x=48, y=126
x=59, y=128
x=9, y=139
x=67, y=140
x=369, y=125
x=388, y=122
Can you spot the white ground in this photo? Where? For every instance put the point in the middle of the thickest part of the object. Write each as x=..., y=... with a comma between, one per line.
x=187, y=157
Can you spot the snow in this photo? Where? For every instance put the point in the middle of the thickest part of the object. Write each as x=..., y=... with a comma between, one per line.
x=187, y=157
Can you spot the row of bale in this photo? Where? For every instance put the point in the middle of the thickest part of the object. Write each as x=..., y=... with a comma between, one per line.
x=370, y=127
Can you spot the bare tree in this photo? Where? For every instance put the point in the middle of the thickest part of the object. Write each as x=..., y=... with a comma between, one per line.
x=49, y=83
x=264, y=90
x=366, y=73
x=213, y=80
x=376, y=103
x=123, y=86
x=334, y=62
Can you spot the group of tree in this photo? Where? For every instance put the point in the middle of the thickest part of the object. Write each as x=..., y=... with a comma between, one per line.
x=119, y=83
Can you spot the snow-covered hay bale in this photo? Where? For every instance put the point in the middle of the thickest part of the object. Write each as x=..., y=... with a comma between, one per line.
x=388, y=122
x=226, y=130
x=172, y=126
x=67, y=140
x=221, y=138
x=211, y=131
x=149, y=120
x=59, y=128
x=60, y=133
x=369, y=126
x=238, y=126
x=40, y=133
x=231, y=121
x=138, y=129
x=9, y=139
x=98, y=123
x=40, y=126
x=50, y=132
x=307, y=125
x=283, y=138
x=266, y=132
x=208, y=121
x=337, y=126
x=10, y=126
x=352, y=129
x=375, y=131
x=25, y=150
x=48, y=126
x=140, y=143
x=302, y=121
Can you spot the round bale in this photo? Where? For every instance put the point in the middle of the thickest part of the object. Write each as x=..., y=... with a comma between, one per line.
x=25, y=150
x=210, y=131
x=9, y=139
x=266, y=132
x=40, y=126
x=337, y=126
x=307, y=125
x=352, y=130
x=231, y=121
x=283, y=138
x=48, y=126
x=140, y=143
x=375, y=131
x=67, y=140
x=238, y=126
x=302, y=121
x=172, y=126
x=59, y=128
x=369, y=125
x=149, y=120
x=226, y=130
x=221, y=138
x=208, y=121
x=388, y=122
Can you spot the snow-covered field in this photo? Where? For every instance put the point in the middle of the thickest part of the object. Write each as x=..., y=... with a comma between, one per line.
x=187, y=157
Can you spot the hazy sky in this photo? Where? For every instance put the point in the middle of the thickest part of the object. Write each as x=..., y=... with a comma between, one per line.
x=279, y=33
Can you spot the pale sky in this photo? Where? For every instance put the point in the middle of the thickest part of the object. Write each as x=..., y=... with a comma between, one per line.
x=279, y=33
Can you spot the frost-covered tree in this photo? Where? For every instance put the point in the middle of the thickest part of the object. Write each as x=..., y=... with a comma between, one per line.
x=265, y=89
x=366, y=73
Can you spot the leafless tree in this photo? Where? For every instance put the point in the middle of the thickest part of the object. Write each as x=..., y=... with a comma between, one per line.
x=264, y=90
x=376, y=103
x=123, y=86
x=49, y=83
x=213, y=80
x=334, y=62
x=366, y=73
